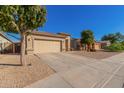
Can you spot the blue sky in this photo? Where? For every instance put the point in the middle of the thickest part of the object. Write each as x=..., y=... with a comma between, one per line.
x=73, y=19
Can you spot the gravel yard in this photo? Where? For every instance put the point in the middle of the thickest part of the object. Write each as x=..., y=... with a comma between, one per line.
x=14, y=75
x=96, y=55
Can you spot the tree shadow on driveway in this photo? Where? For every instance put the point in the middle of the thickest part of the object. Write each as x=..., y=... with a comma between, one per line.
x=10, y=64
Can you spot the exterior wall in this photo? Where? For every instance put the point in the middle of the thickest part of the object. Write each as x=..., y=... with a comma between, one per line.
x=46, y=37
x=75, y=44
x=30, y=39
x=67, y=41
x=63, y=45
x=97, y=46
x=105, y=43
x=68, y=38
x=29, y=44
x=5, y=45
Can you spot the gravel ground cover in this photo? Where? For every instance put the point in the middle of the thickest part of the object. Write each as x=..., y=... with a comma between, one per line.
x=96, y=55
x=12, y=75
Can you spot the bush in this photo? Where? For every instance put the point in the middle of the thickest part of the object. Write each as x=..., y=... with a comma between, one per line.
x=122, y=43
x=116, y=47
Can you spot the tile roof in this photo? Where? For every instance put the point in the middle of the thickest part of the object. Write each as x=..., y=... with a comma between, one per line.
x=62, y=33
x=47, y=34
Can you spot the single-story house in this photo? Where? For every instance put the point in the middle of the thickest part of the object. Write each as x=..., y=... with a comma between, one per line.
x=6, y=45
x=44, y=42
x=76, y=44
x=37, y=42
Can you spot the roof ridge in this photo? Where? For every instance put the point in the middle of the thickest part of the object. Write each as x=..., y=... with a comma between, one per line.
x=47, y=33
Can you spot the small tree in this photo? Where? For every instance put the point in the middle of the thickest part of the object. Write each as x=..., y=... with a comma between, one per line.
x=87, y=38
x=21, y=19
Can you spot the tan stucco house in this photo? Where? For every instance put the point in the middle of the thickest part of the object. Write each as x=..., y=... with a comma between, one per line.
x=6, y=45
x=44, y=42
x=37, y=42
x=76, y=44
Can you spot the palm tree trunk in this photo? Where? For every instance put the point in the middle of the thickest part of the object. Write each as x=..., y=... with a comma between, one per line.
x=22, y=56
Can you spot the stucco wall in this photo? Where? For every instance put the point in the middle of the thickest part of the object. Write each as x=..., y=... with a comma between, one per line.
x=32, y=38
x=5, y=45
x=97, y=46
x=69, y=43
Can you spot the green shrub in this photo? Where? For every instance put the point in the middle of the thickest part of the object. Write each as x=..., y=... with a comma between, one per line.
x=116, y=47
x=122, y=43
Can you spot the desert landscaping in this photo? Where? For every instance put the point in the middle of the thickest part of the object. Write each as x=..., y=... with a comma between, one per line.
x=34, y=53
x=67, y=69
x=97, y=55
x=12, y=74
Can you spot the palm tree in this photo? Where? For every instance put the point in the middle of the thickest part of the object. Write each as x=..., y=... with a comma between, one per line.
x=87, y=39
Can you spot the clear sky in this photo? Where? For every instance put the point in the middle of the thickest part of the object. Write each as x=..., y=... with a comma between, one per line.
x=73, y=19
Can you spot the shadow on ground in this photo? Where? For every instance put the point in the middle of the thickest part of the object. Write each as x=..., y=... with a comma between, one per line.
x=10, y=65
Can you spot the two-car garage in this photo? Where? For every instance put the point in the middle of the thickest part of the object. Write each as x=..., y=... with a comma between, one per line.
x=45, y=46
x=43, y=42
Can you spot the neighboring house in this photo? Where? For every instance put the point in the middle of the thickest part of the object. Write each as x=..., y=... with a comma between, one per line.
x=105, y=43
x=6, y=45
x=75, y=44
x=101, y=44
x=44, y=42
x=97, y=45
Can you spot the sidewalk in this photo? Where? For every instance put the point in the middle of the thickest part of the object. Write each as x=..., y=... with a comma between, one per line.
x=53, y=81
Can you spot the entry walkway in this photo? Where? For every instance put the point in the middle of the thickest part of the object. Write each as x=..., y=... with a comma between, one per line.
x=79, y=71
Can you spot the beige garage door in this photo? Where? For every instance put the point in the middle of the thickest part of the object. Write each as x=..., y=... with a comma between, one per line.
x=45, y=46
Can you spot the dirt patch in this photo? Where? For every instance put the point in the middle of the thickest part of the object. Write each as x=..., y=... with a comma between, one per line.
x=14, y=75
x=96, y=55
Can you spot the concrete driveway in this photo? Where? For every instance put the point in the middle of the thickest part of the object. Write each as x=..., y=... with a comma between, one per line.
x=82, y=72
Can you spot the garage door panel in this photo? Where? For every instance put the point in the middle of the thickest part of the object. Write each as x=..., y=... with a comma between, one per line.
x=44, y=46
